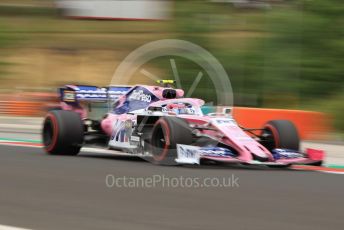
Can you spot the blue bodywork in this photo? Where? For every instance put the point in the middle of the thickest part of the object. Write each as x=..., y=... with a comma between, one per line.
x=75, y=94
x=285, y=154
x=216, y=152
x=137, y=98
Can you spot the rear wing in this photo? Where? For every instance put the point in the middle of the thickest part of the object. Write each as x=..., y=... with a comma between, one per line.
x=79, y=93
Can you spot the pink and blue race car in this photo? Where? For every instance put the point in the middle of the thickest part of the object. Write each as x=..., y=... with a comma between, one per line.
x=158, y=124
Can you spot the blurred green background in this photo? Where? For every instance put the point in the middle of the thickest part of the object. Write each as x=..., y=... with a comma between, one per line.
x=284, y=54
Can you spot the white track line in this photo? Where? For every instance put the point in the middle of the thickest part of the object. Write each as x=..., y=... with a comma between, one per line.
x=341, y=173
x=110, y=152
x=6, y=227
x=84, y=149
x=20, y=126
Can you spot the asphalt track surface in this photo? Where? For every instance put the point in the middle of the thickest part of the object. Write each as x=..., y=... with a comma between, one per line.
x=39, y=191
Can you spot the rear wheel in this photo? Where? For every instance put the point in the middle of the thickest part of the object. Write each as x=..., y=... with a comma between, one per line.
x=166, y=134
x=280, y=134
x=62, y=133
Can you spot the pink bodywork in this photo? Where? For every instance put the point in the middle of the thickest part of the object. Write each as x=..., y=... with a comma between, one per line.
x=231, y=135
x=107, y=123
x=234, y=136
x=76, y=108
x=244, y=144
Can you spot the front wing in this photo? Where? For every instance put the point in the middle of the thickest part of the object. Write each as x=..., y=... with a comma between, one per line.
x=187, y=154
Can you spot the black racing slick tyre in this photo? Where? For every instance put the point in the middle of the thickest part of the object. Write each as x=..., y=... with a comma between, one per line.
x=63, y=133
x=281, y=134
x=166, y=134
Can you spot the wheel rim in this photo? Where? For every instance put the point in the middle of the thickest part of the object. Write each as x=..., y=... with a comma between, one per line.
x=160, y=141
x=270, y=142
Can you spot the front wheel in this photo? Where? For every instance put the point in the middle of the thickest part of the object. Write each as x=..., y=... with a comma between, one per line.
x=166, y=134
x=62, y=133
x=280, y=134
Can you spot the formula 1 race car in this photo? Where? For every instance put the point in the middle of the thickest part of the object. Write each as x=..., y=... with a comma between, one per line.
x=157, y=123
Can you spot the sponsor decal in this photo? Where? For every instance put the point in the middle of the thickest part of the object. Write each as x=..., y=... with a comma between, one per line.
x=224, y=121
x=139, y=95
x=115, y=93
x=188, y=154
x=92, y=94
x=179, y=110
x=118, y=132
x=285, y=154
x=138, y=98
x=216, y=152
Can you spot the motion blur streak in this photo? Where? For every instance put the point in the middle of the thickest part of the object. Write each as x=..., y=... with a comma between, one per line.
x=284, y=60
x=279, y=54
x=47, y=192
